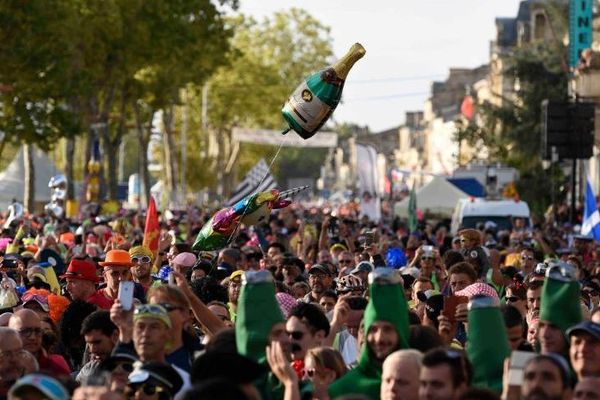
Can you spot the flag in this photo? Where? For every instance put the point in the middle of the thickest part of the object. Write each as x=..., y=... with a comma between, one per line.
x=152, y=228
x=591, y=216
x=258, y=179
x=412, y=210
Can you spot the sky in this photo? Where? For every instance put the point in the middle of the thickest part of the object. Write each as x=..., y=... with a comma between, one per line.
x=409, y=44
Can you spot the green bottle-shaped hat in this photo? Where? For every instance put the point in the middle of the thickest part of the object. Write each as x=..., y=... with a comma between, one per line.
x=487, y=344
x=311, y=104
x=560, y=301
x=257, y=313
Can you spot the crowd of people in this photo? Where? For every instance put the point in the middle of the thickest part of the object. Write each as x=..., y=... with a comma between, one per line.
x=305, y=305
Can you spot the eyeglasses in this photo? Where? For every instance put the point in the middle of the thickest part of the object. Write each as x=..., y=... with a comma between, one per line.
x=149, y=389
x=526, y=257
x=591, y=292
x=296, y=335
x=170, y=307
x=141, y=260
x=512, y=299
x=12, y=354
x=30, y=331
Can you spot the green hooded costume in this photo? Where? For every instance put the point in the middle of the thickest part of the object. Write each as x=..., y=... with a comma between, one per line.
x=386, y=303
x=487, y=342
x=560, y=302
x=257, y=313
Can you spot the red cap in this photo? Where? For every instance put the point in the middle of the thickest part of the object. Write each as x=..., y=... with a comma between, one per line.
x=80, y=269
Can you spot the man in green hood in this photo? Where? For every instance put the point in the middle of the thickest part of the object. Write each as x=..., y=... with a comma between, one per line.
x=386, y=329
x=259, y=321
x=560, y=307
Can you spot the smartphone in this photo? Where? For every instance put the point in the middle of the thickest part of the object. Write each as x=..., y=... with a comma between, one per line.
x=126, y=294
x=171, y=279
x=428, y=250
x=450, y=304
x=518, y=359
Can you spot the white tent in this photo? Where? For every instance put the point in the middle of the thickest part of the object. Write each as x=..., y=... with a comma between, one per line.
x=12, y=179
x=437, y=197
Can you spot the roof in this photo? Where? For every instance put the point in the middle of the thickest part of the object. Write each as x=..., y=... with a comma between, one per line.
x=495, y=207
x=470, y=186
x=437, y=197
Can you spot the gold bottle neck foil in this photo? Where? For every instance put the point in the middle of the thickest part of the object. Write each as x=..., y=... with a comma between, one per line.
x=344, y=64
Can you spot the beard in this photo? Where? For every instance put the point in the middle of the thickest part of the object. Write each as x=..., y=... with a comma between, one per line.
x=539, y=394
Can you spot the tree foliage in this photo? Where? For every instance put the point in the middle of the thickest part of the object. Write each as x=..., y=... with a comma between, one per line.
x=269, y=58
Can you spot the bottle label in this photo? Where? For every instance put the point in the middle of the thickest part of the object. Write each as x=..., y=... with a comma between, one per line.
x=306, y=108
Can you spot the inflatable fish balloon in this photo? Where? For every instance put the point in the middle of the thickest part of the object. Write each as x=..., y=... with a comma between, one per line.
x=251, y=210
x=311, y=104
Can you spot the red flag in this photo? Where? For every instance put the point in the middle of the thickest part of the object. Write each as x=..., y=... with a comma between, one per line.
x=467, y=107
x=152, y=228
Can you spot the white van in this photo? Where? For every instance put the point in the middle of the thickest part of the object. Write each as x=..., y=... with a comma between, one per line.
x=469, y=212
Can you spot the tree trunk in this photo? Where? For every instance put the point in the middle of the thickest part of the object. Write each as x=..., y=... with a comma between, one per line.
x=112, y=144
x=143, y=136
x=68, y=167
x=29, y=193
x=111, y=152
x=169, y=147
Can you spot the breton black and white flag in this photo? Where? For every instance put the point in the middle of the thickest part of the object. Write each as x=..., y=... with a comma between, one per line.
x=253, y=182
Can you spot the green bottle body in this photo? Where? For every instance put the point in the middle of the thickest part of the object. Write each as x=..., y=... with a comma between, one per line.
x=313, y=101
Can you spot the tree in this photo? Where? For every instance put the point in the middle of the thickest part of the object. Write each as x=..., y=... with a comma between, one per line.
x=35, y=92
x=269, y=59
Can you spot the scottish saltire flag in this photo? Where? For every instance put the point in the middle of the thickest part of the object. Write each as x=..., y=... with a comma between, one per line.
x=591, y=216
x=258, y=179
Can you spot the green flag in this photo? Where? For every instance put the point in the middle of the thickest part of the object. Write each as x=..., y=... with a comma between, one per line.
x=412, y=210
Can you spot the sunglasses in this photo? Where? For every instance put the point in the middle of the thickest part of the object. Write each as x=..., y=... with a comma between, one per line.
x=427, y=258
x=512, y=299
x=345, y=261
x=592, y=292
x=149, y=389
x=140, y=260
x=170, y=307
x=296, y=335
x=150, y=309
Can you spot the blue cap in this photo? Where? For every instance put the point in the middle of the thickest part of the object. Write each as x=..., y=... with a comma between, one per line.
x=586, y=326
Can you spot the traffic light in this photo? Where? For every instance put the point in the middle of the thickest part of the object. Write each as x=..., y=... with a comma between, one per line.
x=569, y=128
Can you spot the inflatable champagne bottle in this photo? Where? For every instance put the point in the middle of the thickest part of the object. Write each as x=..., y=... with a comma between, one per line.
x=311, y=104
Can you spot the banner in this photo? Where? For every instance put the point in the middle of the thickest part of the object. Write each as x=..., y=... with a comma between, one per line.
x=580, y=29
x=275, y=138
x=368, y=182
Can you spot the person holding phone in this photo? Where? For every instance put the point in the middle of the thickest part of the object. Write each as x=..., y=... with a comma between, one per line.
x=427, y=259
x=117, y=267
